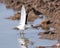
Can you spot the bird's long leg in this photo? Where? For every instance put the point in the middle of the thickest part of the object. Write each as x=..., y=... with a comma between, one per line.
x=26, y=18
x=27, y=15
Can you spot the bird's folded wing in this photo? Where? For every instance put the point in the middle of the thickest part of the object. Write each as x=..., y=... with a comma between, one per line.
x=23, y=16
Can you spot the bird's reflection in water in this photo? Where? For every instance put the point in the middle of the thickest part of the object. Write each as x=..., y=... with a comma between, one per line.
x=23, y=41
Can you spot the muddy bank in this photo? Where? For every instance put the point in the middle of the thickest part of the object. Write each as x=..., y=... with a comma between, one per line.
x=49, y=8
x=1, y=1
x=15, y=17
x=54, y=34
x=53, y=46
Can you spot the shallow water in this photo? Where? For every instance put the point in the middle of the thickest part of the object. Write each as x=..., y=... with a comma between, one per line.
x=9, y=37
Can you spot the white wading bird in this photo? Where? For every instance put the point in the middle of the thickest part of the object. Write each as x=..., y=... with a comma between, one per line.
x=23, y=21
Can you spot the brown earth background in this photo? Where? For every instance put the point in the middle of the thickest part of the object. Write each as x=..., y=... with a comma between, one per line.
x=49, y=8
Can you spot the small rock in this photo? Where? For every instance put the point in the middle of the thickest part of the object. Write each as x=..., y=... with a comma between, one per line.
x=40, y=47
x=49, y=32
x=16, y=28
